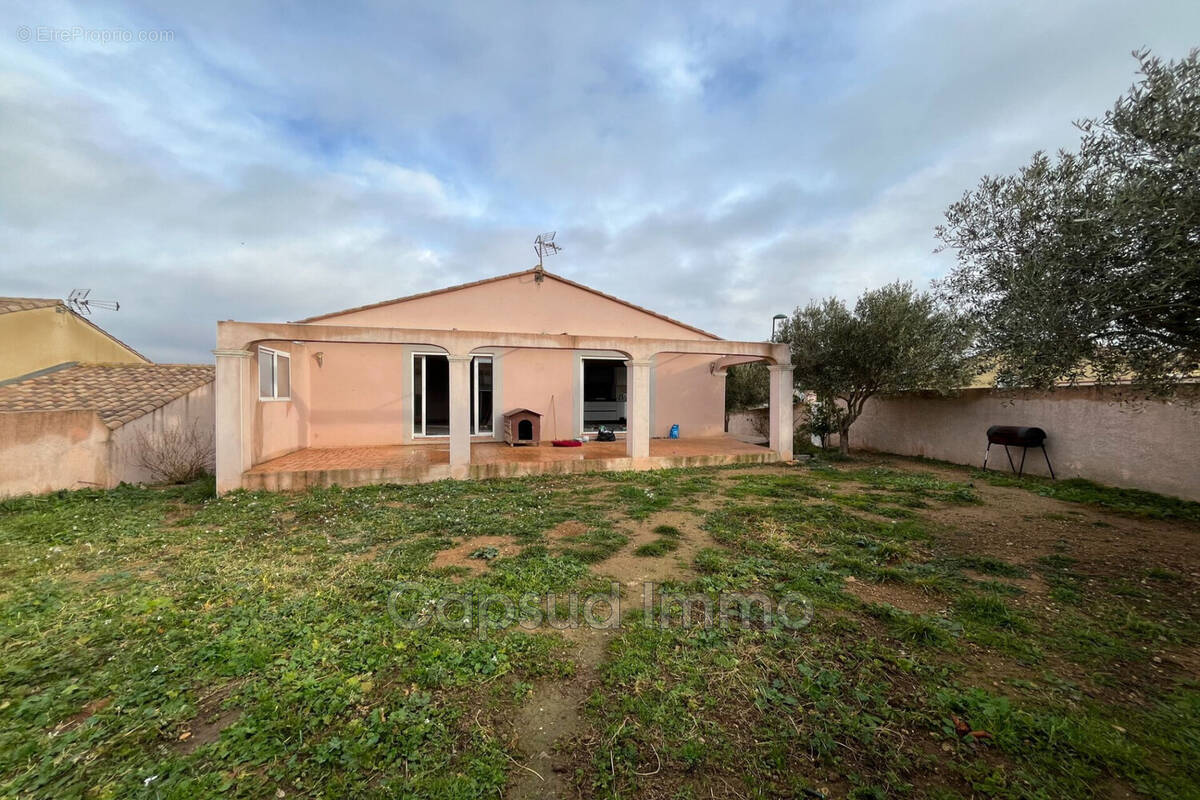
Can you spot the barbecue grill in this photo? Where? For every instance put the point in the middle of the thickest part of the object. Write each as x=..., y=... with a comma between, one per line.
x=1016, y=436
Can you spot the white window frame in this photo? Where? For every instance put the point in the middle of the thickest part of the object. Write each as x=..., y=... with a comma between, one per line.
x=583, y=396
x=275, y=356
x=475, y=359
x=424, y=394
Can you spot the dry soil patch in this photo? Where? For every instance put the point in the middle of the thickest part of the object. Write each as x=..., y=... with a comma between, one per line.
x=209, y=721
x=632, y=571
x=566, y=530
x=551, y=720
x=897, y=595
x=1033, y=588
x=460, y=554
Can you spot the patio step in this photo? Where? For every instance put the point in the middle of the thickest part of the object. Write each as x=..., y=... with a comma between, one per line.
x=295, y=480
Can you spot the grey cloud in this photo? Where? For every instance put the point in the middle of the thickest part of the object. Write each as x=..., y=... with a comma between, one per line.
x=716, y=162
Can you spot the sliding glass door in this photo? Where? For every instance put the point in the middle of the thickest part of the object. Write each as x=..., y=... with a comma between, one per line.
x=481, y=394
x=431, y=395
x=603, y=382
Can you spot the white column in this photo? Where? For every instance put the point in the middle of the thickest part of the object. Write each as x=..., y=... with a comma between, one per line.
x=233, y=421
x=637, y=408
x=782, y=427
x=460, y=415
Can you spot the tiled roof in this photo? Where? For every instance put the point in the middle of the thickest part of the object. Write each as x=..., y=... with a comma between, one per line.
x=534, y=271
x=8, y=304
x=119, y=393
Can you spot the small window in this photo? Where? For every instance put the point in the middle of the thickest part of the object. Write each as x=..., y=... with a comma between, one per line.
x=274, y=375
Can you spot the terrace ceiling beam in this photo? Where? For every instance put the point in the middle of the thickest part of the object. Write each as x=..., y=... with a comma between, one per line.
x=233, y=335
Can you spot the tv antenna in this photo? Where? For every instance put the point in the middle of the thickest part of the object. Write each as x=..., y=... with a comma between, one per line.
x=78, y=301
x=544, y=245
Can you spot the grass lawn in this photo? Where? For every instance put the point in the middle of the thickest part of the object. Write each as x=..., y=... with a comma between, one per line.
x=972, y=635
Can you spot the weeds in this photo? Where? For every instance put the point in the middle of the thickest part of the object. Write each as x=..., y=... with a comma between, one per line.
x=1076, y=490
x=166, y=643
x=667, y=542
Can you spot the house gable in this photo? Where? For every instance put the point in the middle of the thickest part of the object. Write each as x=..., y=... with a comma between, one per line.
x=518, y=303
x=41, y=333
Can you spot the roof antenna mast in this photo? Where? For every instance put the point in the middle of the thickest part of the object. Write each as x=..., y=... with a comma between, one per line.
x=78, y=302
x=543, y=245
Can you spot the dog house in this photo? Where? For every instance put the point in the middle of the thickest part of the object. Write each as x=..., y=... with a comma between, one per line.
x=522, y=426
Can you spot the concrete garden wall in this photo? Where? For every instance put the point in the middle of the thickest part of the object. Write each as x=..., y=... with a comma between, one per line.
x=1108, y=435
x=41, y=451
x=754, y=423
x=195, y=409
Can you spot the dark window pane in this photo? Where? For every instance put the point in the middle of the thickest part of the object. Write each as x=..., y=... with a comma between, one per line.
x=266, y=374
x=283, y=376
x=485, y=396
x=418, y=370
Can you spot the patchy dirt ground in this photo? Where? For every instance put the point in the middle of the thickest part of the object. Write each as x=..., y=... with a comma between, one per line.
x=551, y=721
x=901, y=597
x=1020, y=526
x=209, y=721
x=461, y=555
x=633, y=571
x=1012, y=525
x=246, y=642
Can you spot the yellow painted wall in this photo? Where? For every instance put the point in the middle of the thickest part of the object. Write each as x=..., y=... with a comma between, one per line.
x=44, y=337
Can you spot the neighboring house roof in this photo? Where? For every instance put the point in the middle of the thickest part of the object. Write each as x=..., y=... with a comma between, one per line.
x=508, y=276
x=11, y=304
x=8, y=304
x=118, y=393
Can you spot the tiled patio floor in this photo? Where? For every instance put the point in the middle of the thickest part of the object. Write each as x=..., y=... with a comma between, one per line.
x=355, y=466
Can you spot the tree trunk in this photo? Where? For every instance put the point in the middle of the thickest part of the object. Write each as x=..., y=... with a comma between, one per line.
x=854, y=407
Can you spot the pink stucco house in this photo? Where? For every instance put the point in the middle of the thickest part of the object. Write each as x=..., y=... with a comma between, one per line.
x=415, y=388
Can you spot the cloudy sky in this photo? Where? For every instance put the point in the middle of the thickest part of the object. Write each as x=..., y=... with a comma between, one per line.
x=719, y=162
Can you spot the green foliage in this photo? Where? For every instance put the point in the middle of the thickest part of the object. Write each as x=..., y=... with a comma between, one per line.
x=1087, y=266
x=131, y=617
x=740, y=703
x=594, y=545
x=643, y=493
x=746, y=386
x=823, y=418
x=919, y=629
x=990, y=610
x=894, y=340
x=990, y=565
x=1134, y=502
x=659, y=547
x=667, y=542
x=905, y=487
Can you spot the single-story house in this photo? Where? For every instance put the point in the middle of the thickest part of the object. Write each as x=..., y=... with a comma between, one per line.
x=97, y=425
x=416, y=388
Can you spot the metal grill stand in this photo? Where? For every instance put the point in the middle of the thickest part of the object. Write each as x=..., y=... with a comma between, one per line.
x=1016, y=436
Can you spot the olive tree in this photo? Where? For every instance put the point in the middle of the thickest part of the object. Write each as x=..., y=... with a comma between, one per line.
x=894, y=340
x=1086, y=265
x=747, y=386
